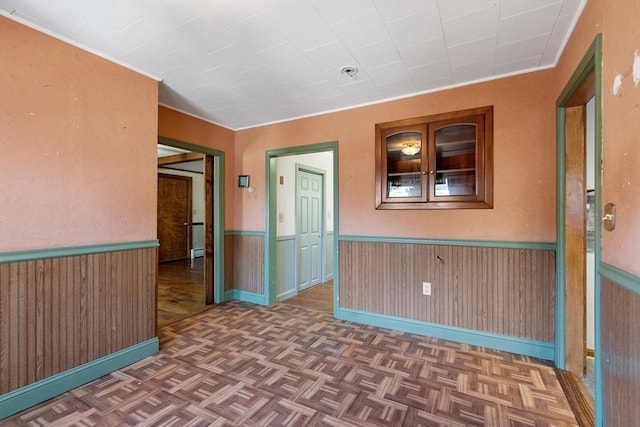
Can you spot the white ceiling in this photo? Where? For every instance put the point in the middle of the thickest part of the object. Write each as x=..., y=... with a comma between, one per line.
x=190, y=166
x=244, y=63
x=166, y=150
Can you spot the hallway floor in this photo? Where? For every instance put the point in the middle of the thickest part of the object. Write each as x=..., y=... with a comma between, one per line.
x=318, y=297
x=180, y=290
x=240, y=364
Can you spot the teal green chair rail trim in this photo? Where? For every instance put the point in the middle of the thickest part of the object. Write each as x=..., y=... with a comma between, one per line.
x=539, y=349
x=244, y=233
x=621, y=278
x=451, y=242
x=34, y=254
x=32, y=394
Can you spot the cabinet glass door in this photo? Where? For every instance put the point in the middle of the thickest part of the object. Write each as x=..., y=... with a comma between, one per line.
x=404, y=152
x=455, y=160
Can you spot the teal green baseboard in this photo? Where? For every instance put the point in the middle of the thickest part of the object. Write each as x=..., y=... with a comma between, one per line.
x=245, y=296
x=25, y=397
x=538, y=349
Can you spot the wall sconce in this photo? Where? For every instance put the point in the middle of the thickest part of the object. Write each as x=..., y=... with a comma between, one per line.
x=410, y=148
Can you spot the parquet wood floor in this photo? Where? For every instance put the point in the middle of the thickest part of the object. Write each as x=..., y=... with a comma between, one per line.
x=244, y=365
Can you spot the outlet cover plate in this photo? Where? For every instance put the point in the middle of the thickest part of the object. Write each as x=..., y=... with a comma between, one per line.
x=426, y=288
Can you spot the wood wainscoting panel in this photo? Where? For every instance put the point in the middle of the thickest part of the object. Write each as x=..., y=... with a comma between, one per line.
x=620, y=320
x=59, y=313
x=491, y=289
x=245, y=253
x=228, y=262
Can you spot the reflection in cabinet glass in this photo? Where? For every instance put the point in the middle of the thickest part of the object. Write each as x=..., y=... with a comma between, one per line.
x=404, y=163
x=436, y=162
x=456, y=160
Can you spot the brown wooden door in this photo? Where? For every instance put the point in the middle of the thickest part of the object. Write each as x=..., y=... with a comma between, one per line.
x=174, y=216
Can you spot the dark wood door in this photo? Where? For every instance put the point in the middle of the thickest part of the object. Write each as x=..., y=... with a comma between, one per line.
x=174, y=216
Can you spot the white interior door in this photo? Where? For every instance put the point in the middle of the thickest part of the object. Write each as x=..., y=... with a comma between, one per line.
x=309, y=207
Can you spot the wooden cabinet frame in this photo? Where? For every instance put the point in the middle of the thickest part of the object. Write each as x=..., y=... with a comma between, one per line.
x=424, y=169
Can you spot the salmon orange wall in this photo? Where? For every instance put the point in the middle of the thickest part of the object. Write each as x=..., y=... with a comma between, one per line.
x=524, y=146
x=77, y=146
x=176, y=125
x=618, y=22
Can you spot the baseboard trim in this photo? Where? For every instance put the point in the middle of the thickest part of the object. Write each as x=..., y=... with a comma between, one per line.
x=286, y=295
x=32, y=394
x=245, y=296
x=538, y=349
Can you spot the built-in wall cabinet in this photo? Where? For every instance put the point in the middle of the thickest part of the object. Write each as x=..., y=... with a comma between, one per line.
x=443, y=161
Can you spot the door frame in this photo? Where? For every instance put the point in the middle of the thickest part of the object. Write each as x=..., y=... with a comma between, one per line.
x=322, y=173
x=271, y=215
x=585, y=81
x=214, y=228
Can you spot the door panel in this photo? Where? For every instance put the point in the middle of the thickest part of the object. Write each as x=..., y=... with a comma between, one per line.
x=316, y=231
x=575, y=239
x=174, y=216
x=309, y=220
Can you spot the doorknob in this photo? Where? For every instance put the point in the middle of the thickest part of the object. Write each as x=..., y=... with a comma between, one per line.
x=186, y=223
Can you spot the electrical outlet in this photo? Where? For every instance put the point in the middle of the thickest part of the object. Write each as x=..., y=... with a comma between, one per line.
x=426, y=288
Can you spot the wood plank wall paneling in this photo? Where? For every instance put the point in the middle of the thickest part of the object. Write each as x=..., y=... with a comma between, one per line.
x=620, y=320
x=228, y=262
x=245, y=263
x=59, y=313
x=496, y=290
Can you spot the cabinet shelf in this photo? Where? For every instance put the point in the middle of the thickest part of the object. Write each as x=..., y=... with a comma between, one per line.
x=404, y=173
x=452, y=171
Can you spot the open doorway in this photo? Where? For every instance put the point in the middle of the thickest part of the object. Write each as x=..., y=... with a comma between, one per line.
x=189, y=230
x=181, y=210
x=302, y=224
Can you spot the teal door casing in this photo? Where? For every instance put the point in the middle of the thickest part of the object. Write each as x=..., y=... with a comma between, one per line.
x=309, y=225
x=585, y=82
x=271, y=217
